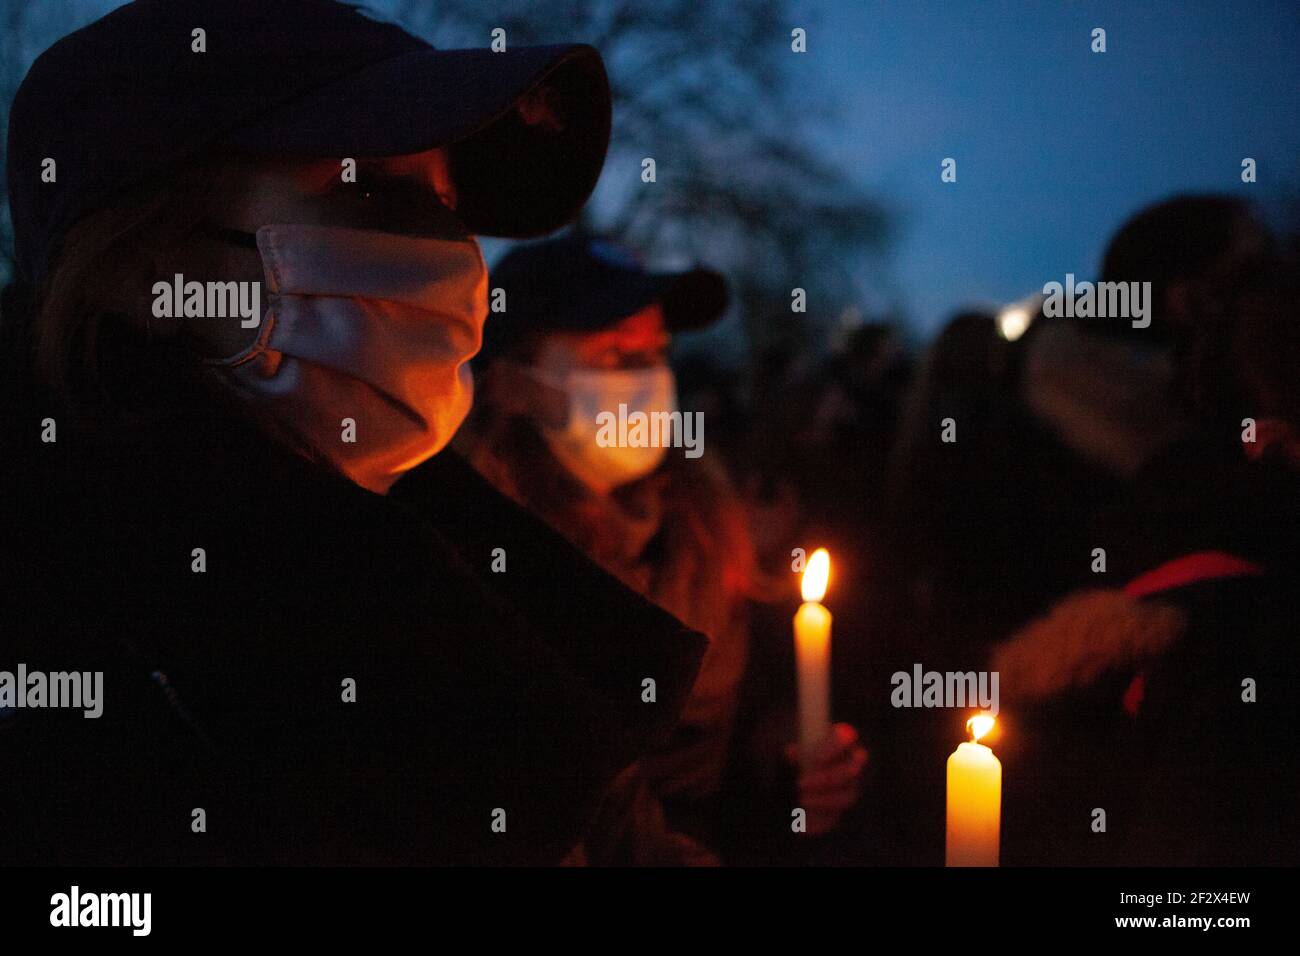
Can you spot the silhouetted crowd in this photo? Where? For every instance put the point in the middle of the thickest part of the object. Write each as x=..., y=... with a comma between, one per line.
x=1106, y=515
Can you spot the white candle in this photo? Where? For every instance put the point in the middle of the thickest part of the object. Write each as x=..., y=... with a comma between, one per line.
x=812, y=642
x=974, y=800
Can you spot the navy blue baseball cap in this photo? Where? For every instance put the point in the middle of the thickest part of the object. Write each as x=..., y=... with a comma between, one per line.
x=583, y=284
x=128, y=97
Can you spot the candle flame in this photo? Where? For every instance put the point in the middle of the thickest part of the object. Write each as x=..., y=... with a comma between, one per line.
x=979, y=725
x=816, y=575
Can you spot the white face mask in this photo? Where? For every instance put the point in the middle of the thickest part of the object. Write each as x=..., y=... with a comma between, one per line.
x=369, y=326
x=592, y=391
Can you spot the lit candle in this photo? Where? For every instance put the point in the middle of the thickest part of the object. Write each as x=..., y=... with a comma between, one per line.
x=974, y=800
x=812, y=643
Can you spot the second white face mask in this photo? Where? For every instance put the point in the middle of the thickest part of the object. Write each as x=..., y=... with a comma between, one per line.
x=371, y=327
x=577, y=447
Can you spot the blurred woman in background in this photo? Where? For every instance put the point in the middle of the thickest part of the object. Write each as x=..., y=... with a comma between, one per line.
x=586, y=330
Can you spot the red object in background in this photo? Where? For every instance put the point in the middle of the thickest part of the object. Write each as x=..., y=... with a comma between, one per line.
x=1180, y=572
x=1136, y=691
x=1191, y=569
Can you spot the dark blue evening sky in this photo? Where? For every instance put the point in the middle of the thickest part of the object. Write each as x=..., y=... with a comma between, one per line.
x=1055, y=145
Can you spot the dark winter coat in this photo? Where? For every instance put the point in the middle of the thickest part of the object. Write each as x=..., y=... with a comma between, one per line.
x=1134, y=700
x=481, y=696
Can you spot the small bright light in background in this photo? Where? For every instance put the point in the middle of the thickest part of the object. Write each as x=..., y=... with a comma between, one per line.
x=1015, y=319
x=1013, y=322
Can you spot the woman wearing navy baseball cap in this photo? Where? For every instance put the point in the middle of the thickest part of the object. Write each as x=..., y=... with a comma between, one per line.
x=248, y=289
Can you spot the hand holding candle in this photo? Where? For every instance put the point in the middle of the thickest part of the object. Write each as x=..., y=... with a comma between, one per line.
x=974, y=800
x=829, y=787
x=812, y=641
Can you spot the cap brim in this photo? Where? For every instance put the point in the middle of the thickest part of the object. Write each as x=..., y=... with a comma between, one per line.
x=690, y=300
x=513, y=178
